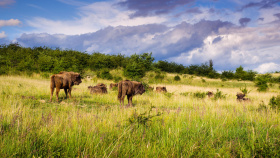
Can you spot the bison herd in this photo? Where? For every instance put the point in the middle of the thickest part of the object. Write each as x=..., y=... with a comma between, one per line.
x=65, y=80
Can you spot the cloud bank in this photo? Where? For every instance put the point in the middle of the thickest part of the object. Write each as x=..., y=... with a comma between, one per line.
x=11, y=22
x=184, y=31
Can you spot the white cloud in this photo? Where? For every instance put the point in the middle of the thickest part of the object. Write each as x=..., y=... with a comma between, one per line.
x=248, y=47
x=268, y=67
x=91, y=18
x=3, y=35
x=11, y=22
x=268, y=15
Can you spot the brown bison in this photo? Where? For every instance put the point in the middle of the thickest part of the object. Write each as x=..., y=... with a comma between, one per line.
x=161, y=89
x=113, y=85
x=99, y=88
x=210, y=94
x=129, y=88
x=64, y=80
x=240, y=96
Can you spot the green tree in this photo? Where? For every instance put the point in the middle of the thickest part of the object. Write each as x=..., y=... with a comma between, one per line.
x=261, y=82
x=134, y=71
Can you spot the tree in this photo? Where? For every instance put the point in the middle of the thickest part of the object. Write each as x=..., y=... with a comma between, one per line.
x=261, y=82
x=134, y=71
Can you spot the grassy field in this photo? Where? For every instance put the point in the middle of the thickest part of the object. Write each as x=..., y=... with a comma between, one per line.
x=175, y=124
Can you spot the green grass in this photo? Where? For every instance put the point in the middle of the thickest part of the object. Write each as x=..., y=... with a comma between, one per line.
x=97, y=126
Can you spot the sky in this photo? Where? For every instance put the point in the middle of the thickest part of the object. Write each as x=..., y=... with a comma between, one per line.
x=232, y=33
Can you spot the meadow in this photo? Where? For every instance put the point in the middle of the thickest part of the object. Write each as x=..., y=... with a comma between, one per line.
x=173, y=124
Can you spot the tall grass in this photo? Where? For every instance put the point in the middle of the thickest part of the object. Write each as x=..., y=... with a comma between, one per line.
x=97, y=126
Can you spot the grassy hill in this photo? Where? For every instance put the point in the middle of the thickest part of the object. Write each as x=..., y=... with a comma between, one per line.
x=179, y=123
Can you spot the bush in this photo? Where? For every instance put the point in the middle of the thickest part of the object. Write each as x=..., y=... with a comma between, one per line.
x=245, y=90
x=159, y=76
x=200, y=95
x=104, y=74
x=261, y=82
x=177, y=78
x=219, y=95
x=117, y=79
x=168, y=95
x=203, y=80
x=134, y=71
x=144, y=119
x=274, y=102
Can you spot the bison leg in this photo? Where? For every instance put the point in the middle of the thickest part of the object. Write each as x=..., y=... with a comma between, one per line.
x=57, y=91
x=65, y=90
x=52, y=89
x=122, y=100
x=69, y=92
x=129, y=99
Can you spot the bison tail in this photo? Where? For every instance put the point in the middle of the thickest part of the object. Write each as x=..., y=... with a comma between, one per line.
x=52, y=85
x=120, y=90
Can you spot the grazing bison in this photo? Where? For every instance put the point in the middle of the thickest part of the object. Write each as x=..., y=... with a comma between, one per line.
x=64, y=80
x=129, y=88
x=210, y=94
x=240, y=96
x=161, y=89
x=99, y=88
x=113, y=85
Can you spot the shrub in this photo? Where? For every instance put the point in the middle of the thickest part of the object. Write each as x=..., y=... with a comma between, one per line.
x=261, y=82
x=245, y=90
x=186, y=93
x=219, y=95
x=117, y=79
x=200, y=95
x=146, y=86
x=274, y=102
x=104, y=74
x=134, y=71
x=45, y=75
x=177, y=78
x=203, y=80
x=142, y=119
x=168, y=95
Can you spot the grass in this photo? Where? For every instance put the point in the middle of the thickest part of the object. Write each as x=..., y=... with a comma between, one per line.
x=96, y=126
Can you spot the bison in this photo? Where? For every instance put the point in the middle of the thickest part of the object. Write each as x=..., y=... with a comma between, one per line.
x=99, y=88
x=64, y=80
x=129, y=89
x=113, y=85
x=240, y=96
x=210, y=94
x=161, y=89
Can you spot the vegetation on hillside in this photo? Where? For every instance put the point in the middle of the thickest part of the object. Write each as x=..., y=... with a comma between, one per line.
x=15, y=59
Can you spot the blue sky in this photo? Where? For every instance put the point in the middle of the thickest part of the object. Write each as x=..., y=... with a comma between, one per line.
x=230, y=32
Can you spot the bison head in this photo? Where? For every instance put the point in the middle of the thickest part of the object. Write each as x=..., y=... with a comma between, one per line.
x=240, y=95
x=140, y=89
x=76, y=78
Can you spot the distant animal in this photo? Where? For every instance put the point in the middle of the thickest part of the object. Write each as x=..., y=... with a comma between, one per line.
x=99, y=88
x=161, y=89
x=129, y=89
x=240, y=96
x=64, y=80
x=112, y=85
x=210, y=94
x=247, y=99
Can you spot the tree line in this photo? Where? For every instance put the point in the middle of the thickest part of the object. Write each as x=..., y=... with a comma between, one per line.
x=15, y=59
